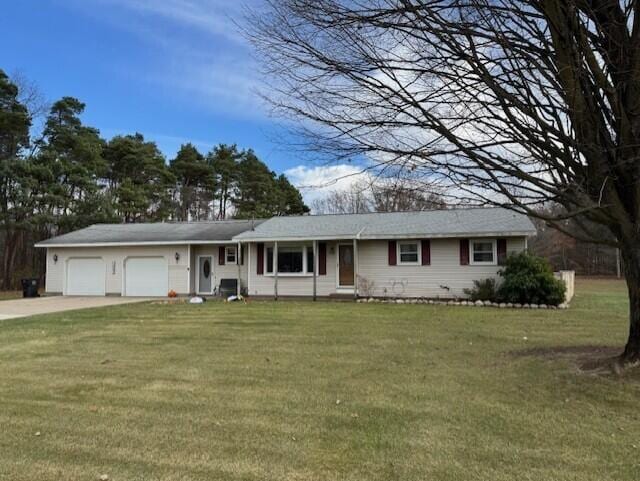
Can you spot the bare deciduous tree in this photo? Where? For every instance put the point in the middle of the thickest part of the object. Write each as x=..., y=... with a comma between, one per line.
x=567, y=253
x=397, y=195
x=511, y=102
x=355, y=200
x=381, y=194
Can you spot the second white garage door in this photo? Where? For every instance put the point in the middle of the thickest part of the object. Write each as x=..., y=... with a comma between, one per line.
x=146, y=276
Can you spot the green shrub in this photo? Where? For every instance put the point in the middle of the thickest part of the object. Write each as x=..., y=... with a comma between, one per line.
x=483, y=290
x=528, y=279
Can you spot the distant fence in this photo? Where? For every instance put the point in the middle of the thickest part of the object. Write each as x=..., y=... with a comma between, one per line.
x=569, y=279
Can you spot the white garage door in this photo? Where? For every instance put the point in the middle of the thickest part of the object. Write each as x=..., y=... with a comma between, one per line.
x=85, y=277
x=146, y=276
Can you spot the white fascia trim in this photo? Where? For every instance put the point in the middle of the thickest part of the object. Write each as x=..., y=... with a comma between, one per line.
x=126, y=244
x=358, y=236
x=291, y=239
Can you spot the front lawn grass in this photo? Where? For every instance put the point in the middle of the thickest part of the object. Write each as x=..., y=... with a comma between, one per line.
x=319, y=391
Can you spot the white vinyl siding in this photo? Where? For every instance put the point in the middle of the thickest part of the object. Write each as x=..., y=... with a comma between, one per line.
x=444, y=278
x=416, y=280
x=262, y=285
x=218, y=272
x=114, y=258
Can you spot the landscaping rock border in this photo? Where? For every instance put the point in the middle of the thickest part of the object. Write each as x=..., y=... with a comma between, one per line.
x=454, y=302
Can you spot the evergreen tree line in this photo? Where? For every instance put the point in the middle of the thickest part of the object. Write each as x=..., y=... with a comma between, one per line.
x=68, y=177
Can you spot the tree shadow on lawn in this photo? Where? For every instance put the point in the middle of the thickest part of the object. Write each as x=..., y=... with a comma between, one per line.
x=597, y=360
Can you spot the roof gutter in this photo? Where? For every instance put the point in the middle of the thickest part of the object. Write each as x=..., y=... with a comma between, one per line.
x=359, y=236
x=43, y=245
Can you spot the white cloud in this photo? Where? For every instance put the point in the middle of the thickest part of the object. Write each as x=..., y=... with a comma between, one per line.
x=209, y=16
x=194, y=48
x=218, y=83
x=315, y=182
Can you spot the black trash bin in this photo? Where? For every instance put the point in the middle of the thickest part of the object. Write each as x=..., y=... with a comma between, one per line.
x=30, y=287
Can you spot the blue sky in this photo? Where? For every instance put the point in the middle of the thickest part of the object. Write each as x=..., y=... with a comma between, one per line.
x=175, y=70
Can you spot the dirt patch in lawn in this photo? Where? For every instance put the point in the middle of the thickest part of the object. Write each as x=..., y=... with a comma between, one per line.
x=590, y=359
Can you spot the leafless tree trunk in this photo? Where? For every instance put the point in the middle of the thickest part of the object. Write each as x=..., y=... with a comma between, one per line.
x=518, y=103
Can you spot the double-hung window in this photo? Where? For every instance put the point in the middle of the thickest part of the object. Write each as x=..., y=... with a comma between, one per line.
x=409, y=252
x=231, y=256
x=483, y=252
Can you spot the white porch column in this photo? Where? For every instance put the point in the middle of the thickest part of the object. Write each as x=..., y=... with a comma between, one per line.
x=238, y=252
x=355, y=268
x=189, y=269
x=315, y=269
x=275, y=270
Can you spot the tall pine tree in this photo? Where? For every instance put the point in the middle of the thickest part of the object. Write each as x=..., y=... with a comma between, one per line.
x=223, y=159
x=138, y=178
x=69, y=168
x=195, y=184
x=15, y=205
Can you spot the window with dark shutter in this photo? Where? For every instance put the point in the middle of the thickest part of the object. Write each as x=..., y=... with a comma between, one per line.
x=392, y=253
x=502, y=251
x=464, y=252
x=322, y=259
x=426, y=252
x=260, y=259
x=221, y=255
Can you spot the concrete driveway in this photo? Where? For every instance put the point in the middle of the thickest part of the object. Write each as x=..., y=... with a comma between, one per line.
x=46, y=305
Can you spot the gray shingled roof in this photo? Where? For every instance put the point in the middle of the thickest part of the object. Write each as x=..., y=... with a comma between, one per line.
x=435, y=223
x=160, y=233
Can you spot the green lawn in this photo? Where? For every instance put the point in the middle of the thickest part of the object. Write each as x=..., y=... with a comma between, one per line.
x=319, y=391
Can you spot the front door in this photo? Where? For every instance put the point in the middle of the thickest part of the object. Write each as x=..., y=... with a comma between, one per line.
x=205, y=284
x=346, y=270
